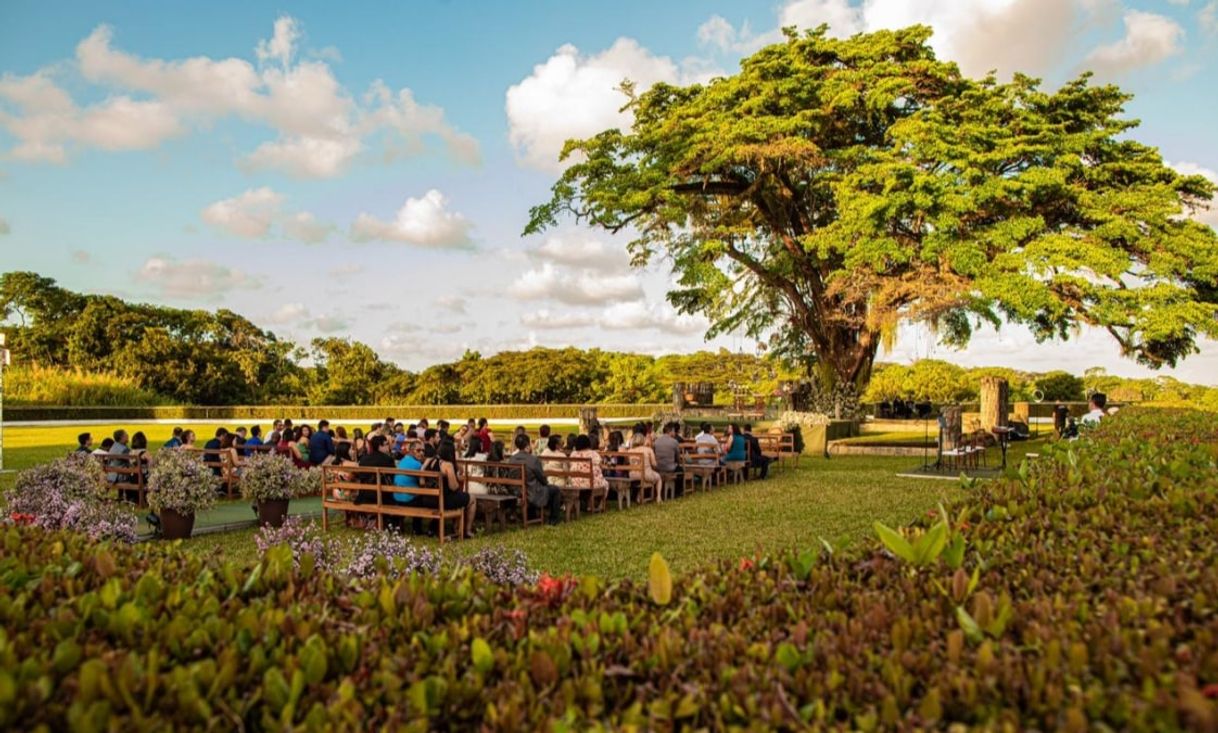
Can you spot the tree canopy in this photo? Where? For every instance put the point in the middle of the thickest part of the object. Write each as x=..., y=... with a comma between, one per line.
x=834, y=188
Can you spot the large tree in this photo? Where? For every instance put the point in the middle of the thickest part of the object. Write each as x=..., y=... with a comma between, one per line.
x=834, y=188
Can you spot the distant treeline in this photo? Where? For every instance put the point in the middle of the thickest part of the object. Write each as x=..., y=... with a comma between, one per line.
x=74, y=349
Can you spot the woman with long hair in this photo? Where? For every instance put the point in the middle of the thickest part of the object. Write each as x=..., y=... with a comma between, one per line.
x=445, y=461
x=645, y=471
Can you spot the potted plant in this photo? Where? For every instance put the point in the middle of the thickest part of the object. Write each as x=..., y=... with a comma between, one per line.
x=271, y=481
x=180, y=485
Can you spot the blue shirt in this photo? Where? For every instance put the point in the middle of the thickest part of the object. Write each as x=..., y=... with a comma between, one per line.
x=408, y=463
x=254, y=440
x=321, y=446
x=173, y=442
x=738, y=450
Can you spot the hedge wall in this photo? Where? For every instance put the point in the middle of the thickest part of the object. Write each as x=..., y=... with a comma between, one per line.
x=1082, y=596
x=317, y=412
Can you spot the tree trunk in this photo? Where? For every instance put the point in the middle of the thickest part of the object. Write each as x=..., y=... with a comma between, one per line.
x=994, y=403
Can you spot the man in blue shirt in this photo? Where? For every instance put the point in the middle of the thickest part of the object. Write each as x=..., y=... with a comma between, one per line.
x=176, y=440
x=412, y=461
x=255, y=439
x=321, y=445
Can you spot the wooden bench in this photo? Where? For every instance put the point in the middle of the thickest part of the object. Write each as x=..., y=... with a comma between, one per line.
x=574, y=477
x=779, y=447
x=129, y=472
x=513, y=491
x=344, y=479
x=622, y=483
x=221, y=458
x=702, y=470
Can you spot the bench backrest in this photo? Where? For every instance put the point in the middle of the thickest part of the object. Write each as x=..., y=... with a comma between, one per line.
x=123, y=464
x=509, y=475
x=626, y=461
x=378, y=480
x=567, y=468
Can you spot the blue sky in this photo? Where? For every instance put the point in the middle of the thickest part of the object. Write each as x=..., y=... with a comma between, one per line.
x=365, y=170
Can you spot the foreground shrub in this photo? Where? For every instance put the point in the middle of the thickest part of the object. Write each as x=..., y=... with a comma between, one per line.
x=71, y=493
x=1085, y=597
x=33, y=385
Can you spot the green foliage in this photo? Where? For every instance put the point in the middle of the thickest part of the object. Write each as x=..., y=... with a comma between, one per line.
x=36, y=385
x=833, y=188
x=1085, y=604
x=1060, y=386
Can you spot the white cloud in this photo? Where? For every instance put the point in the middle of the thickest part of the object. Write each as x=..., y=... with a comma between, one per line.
x=1205, y=216
x=193, y=278
x=1149, y=39
x=421, y=221
x=843, y=19
x=579, y=249
x=304, y=227
x=638, y=315
x=1207, y=17
x=546, y=319
x=281, y=44
x=4, y=227
x=572, y=95
x=320, y=127
x=329, y=324
x=585, y=287
x=254, y=213
x=346, y=270
x=289, y=313
x=1032, y=36
x=249, y=215
x=46, y=121
x=453, y=303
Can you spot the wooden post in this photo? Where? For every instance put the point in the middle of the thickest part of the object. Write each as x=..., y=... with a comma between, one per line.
x=995, y=403
x=950, y=427
x=678, y=396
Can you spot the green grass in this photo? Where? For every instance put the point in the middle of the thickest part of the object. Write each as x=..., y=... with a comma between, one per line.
x=917, y=439
x=838, y=499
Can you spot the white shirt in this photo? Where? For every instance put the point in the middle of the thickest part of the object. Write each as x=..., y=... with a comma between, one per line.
x=1093, y=417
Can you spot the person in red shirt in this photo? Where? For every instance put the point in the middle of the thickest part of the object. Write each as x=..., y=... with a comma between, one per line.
x=484, y=435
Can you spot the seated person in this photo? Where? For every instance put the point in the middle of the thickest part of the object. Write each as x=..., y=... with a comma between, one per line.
x=708, y=445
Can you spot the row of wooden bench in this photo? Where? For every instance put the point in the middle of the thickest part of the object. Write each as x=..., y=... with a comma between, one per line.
x=504, y=486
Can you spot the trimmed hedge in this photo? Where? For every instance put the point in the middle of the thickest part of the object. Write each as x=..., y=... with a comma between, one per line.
x=1082, y=596
x=317, y=412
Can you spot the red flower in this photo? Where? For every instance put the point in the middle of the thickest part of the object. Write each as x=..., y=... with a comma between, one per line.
x=745, y=564
x=1210, y=690
x=22, y=519
x=551, y=589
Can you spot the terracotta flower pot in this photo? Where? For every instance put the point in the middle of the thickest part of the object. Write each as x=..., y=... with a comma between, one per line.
x=272, y=512
x=176, y=526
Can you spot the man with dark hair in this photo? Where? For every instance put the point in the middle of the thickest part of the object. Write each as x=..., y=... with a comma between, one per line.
x=176, y=440
x=119, y=448
x=708, y=445
x=85, y=443
x=216, y=443
x=757, y=459
x=377, y=457
x=668, y=455
x=276, y=432
x=543, y=439
x=541, y=494
x=255, y=438
x=321, y=444
x=1097, y=403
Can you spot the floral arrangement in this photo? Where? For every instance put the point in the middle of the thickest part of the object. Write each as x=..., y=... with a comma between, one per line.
x=271, y=477
x=181, y=482
x=387, y=552
x=790, y=420
x=71, y=493
x=506, y=567
x=302, y=536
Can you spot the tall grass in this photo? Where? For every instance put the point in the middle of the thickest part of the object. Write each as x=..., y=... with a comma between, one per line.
x=39, y=386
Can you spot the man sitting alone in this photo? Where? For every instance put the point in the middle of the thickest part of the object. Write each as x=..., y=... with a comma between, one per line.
x=1097, y=403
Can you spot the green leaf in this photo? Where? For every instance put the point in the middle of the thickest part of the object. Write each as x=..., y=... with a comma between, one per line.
x=481, y=655
x=895, y=543
x=930, y=545
x=968, y=625
x=788, y=656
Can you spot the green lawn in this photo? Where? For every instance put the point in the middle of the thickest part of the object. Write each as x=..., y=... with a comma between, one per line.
x=838, y=499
